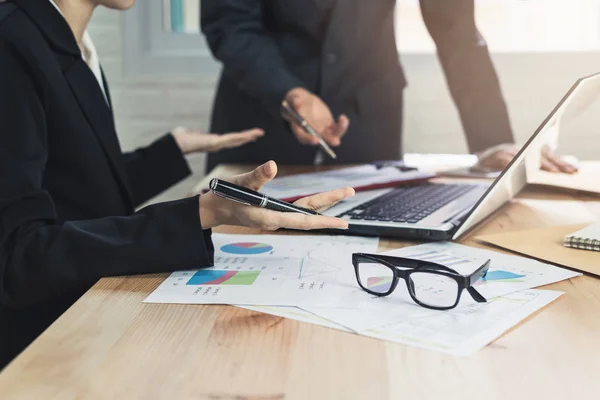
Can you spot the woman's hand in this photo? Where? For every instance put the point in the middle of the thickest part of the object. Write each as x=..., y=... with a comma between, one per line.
x=216, y=211
x=191, y=141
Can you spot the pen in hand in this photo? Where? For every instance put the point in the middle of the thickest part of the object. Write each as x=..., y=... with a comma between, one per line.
x=291, y=115
x=247, y=196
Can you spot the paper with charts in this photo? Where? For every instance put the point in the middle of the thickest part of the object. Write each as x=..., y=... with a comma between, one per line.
x=461, y=331
x=507, y=273
x=272, y=270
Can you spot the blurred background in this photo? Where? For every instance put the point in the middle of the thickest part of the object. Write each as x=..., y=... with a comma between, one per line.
x=162, y=75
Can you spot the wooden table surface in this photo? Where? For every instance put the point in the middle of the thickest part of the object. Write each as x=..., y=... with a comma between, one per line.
x=110, y=345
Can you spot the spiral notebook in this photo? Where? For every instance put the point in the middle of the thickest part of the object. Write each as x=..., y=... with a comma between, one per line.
x=587, y=238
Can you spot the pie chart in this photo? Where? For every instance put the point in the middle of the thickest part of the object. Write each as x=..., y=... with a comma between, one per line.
x=246, y=248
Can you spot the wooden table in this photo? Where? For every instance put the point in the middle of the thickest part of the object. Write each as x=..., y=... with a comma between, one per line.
x=110, y=345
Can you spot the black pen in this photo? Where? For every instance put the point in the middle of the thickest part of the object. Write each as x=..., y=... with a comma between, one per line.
x=250, y=197
x=287, y=110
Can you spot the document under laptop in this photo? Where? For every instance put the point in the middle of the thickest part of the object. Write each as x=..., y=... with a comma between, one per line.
x=361, y=178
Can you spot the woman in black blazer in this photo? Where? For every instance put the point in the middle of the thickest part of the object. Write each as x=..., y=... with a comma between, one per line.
x=67, y=192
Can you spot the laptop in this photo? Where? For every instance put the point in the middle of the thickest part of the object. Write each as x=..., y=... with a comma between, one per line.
x=437, y=211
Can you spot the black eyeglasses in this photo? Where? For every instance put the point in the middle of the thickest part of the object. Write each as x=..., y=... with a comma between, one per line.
x=430, y=284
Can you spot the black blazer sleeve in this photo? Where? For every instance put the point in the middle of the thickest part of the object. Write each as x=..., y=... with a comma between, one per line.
x=41, y=256
x=237, y=37
x=469, y=72
x=155, y=168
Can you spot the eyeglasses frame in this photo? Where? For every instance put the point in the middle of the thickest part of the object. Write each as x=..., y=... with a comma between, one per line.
x=411, y=265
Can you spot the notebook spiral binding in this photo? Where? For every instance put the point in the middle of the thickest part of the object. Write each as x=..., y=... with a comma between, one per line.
x=582, y=243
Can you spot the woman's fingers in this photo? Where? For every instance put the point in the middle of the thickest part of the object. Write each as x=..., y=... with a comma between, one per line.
x=272, y=220
x=191, y=141
x=325, y=200
x=258, y=178
x=231, y=140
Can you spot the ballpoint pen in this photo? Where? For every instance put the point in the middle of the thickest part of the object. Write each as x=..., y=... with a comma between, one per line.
x=247, y=196
x=288, y=112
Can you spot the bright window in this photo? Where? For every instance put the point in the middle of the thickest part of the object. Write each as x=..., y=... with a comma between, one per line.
x=514, y=26
x=182, y=16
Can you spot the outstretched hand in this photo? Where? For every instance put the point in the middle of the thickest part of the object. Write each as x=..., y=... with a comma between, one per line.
x=192, y=141
x=216, y=211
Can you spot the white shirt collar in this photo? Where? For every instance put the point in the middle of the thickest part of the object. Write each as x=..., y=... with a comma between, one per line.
x=55, y=6
x=89, y=55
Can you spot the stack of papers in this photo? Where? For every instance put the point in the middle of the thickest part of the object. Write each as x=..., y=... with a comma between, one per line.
x=311, y=279
x=361, y=178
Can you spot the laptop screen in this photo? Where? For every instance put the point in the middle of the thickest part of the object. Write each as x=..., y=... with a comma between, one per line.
x=526, y=166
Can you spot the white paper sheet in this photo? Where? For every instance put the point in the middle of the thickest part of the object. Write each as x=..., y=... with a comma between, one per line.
x=272, y=270
x=461, y=331
x=366, y=175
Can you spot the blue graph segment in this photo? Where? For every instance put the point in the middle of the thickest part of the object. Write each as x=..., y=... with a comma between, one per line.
x=203, y=277
x=500, y=275
x=246, y=248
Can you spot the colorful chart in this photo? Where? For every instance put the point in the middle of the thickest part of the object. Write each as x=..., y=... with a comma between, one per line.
x=246, y=248
x=500, y=276
x=221, y=277
x=379, y=284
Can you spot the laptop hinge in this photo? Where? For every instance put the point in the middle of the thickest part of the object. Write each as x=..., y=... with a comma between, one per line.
x=458, y=218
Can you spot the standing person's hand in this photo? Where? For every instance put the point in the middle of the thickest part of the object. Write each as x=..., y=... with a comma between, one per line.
x=192, y=141
x=317, y=114
x=550, y=162
x=216, y=211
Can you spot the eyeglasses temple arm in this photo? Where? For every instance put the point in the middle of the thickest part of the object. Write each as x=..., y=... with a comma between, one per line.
x=478, y=274
x=476, y=295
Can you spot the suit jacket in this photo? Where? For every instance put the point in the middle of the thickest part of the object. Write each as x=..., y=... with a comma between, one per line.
x=67, y=192
x=345, y=52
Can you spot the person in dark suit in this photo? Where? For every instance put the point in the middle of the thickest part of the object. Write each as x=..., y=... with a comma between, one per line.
x=336, y=62
x=68, y=194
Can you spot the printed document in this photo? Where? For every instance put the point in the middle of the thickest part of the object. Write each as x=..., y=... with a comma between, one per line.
x=272, y=270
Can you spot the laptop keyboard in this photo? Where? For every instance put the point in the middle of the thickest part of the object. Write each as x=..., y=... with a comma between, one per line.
x=408, y=204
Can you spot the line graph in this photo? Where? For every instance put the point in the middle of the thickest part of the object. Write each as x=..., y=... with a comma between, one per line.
x=312, y=266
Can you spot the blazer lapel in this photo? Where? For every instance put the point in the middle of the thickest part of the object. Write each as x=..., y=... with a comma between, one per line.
x=85, y=87
x=106, y=90
x=51, y=24
x=82, y=81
